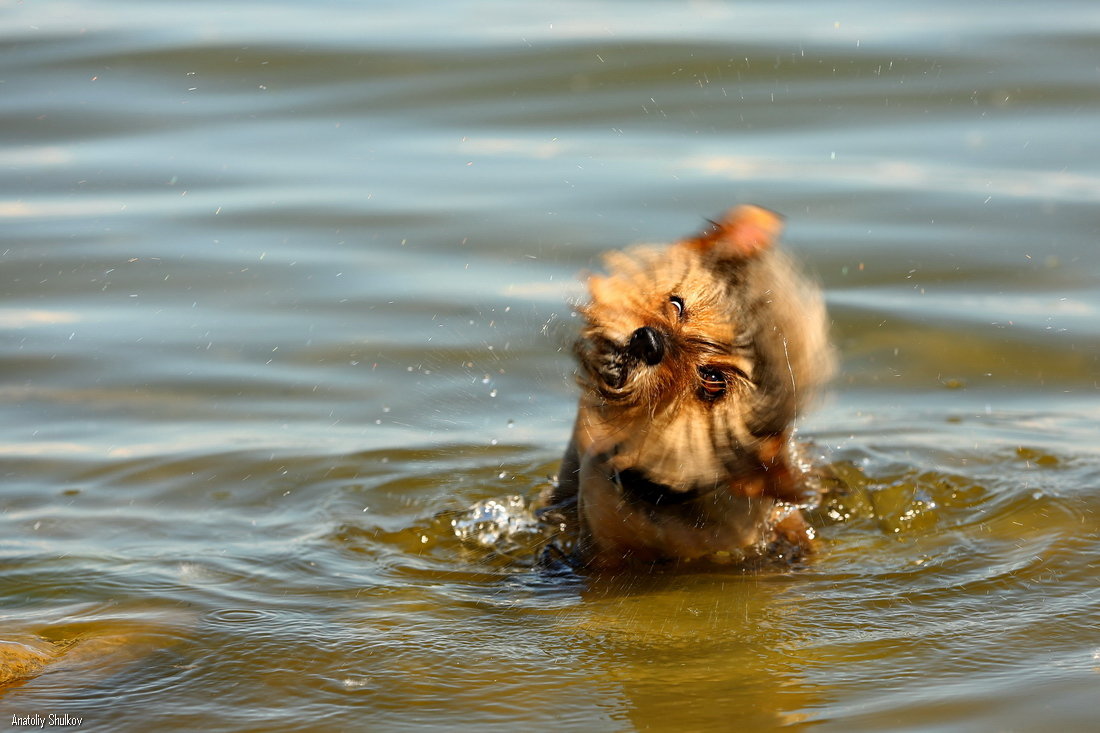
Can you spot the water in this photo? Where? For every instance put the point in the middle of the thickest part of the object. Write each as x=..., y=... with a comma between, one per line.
x=284, y=292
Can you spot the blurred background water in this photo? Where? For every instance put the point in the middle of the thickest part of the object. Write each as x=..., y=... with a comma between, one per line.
x=283, y=282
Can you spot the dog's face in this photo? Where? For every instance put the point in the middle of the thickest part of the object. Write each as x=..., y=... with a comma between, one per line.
x=695, y=359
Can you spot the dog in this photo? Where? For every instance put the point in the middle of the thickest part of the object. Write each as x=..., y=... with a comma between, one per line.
x=694, y=361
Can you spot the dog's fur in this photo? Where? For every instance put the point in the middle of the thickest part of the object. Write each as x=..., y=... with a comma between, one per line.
x=694, y=360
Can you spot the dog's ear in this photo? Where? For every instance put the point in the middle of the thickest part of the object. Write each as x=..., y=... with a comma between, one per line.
x=744, y=232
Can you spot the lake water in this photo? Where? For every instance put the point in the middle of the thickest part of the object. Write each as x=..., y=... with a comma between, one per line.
x=285, y=283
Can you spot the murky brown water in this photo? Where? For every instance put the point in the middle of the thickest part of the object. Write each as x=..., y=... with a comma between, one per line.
x=284, y=293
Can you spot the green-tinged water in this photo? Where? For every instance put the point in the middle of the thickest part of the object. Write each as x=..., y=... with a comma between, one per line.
x=284, y=291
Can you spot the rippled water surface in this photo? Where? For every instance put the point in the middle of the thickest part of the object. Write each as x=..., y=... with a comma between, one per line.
x=284, y=294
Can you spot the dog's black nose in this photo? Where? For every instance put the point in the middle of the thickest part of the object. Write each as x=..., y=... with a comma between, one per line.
x=648, y=345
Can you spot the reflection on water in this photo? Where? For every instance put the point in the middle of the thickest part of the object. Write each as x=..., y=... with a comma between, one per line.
x=284, y=307
x=919, y=176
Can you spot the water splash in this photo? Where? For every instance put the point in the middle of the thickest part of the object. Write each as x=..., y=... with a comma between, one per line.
x=504, y=524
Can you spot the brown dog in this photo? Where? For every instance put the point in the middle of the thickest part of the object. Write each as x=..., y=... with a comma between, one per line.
x=694, y=360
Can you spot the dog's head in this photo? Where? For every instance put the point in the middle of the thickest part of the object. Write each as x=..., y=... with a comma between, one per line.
x=696, y=358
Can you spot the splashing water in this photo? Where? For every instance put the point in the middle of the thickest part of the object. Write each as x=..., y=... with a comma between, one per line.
x=504, y=525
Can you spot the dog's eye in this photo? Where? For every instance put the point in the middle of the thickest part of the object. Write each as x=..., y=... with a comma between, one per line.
x=712, y=383
x=677, y=305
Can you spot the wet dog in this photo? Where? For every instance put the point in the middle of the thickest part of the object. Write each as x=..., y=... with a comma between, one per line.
x=694, y=360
